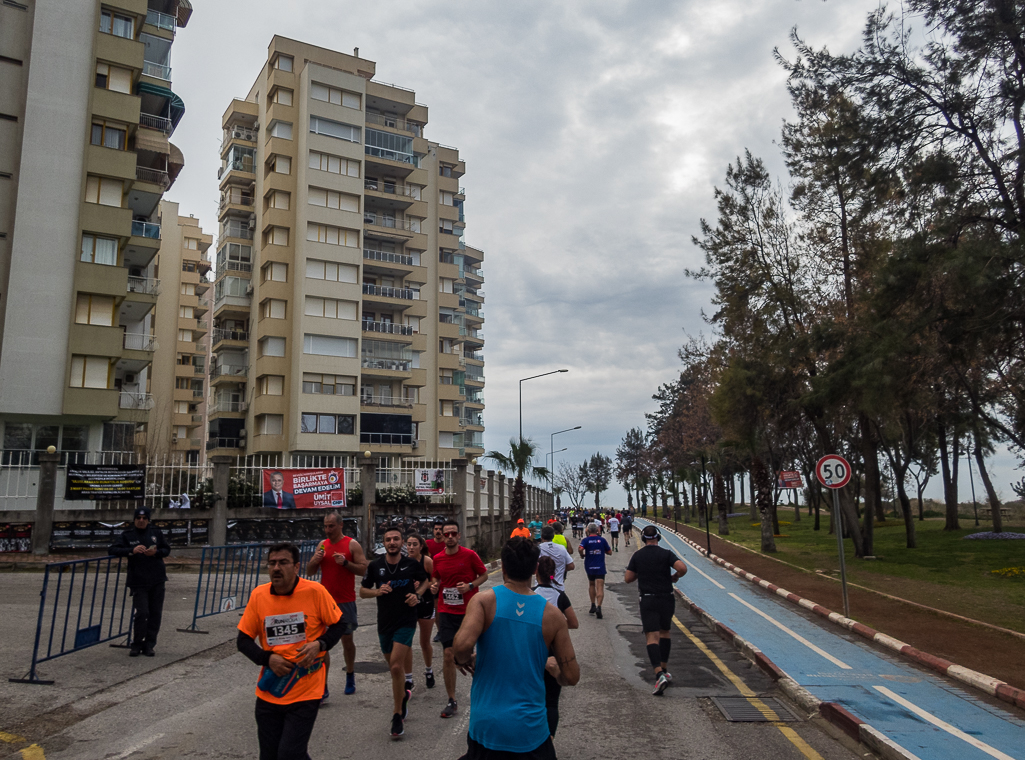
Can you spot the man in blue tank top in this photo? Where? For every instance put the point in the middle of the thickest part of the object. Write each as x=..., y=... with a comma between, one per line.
x=513, y=629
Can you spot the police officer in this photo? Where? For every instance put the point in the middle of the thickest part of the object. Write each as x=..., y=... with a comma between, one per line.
x=145, y=546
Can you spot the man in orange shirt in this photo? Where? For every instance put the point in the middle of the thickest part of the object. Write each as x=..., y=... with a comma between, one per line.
x=520, y=530
x=288, y=626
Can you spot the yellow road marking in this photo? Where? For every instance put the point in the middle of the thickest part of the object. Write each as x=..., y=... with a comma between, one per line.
x=33, y=752
x=10, y=738
x=746, y=691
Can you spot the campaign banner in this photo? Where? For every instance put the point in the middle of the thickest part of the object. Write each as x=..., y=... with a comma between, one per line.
x=304, y=489
x=105, y=482
x=429, y=481
x=789, y=479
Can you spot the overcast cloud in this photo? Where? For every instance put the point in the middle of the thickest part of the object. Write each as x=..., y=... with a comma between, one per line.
x=593, y=134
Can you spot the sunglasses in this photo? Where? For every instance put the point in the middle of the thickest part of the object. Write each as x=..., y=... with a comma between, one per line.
x=449, y=533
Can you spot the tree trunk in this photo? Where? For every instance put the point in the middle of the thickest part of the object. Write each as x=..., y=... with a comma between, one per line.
x=741, y=479
x=797, y=504
x=873, y=497
x=720, y=501
x=752, y=507
x=994, y=502
x=686, y=504
x=762, y=486
x=516, y=502
x=949, y=481
x=905, y=507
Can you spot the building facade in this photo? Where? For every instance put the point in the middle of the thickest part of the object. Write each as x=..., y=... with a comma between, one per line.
x=347, y=308
x=85, y=158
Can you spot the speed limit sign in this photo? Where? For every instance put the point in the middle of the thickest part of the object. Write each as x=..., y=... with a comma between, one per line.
x=833, y=471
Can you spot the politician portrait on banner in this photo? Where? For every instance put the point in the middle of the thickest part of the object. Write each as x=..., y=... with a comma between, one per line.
x=322, y=488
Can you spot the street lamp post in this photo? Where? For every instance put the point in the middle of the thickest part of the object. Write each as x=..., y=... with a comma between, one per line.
x=543, y=374
x=551, y=473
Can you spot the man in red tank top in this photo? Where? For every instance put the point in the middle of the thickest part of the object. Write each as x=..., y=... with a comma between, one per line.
x=436, y=545
x=341, y=562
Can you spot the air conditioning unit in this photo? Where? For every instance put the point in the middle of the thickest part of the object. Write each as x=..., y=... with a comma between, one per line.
x=243, y=406
x=237, y=134
x=129, y=377
x=252, y=224
x=249, y=290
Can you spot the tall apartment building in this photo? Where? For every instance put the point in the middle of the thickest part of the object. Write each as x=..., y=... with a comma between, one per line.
x=347, y=308
x=86, y=113
x=177, y=422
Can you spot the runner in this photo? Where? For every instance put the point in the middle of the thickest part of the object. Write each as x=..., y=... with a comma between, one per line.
x=520, y=530
x=614, y=532
x=458, y=573
x=287, y=628
x=628, y=526
x=345, y=561
x=535, y=526
x=436, y=544
x=397, y=583
x=545, y=573
x=562, y=558
x=416, y=546
x=513, y=630
x=593, y=549
x=656, y=570
x=560, y=529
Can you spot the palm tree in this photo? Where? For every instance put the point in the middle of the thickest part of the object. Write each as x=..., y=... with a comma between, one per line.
x=519, y=460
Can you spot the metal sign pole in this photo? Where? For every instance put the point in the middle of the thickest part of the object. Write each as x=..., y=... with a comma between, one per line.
x=838, y=519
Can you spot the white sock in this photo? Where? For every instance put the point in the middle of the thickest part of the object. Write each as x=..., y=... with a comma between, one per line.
x=429, y=670
x=409, y=678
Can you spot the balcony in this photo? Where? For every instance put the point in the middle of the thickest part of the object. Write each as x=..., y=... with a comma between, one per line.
x=388, y=257
x=156, y=70
x=388, y=328
x=159, y=123
x=395, y=122
x=235, y=199
x=390, y=222
x=394, y=402
x=239, y=133
x=236, y=166
x=139, y=341
x=393, y=188
x=389, y=365
x=387, y=439
x=145, y=285
x=153, y=176
x=161, y=20
x=223, y=443
x=198, y=369
x=231, y=265
x=220, y=334
x=146, y=229
x=128, y=400
x=231, y=407
x=229, y=370
x=387, y=291
x=237, y=231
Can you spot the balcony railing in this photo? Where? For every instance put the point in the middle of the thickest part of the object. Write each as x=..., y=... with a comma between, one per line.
x=369, y=399
x=199, y=369
x=237, y=166
x=237, y=231
x=392, y=155
x=220, y=333
x=223, y=443
x=392, y=439
x=228, y=406
x=380, y=220
x=128, y=400
x=197, y=393
x=472, y=419
x=475, y=355
x=239, y=133
x=139, y=341
x=160, y=123
x=388, y=328
x=475, y=399
x=392, y=188
x=146, y=229
x=154, y=176
x=230, y=370
x=388, y=256
x=146, y=285
x=235, y=199
x=387, y=291
x=161, y=20
x=392, y=365
x=395, y=123
x=156, y=70
x=235, y=266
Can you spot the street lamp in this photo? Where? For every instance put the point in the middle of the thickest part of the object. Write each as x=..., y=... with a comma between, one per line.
x=551, y=472
x=543, y=374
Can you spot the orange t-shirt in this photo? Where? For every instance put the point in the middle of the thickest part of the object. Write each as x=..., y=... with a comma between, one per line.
x=521, y=532
x=282, y=624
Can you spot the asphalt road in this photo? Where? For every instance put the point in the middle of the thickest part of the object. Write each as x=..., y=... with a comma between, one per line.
x=195, y=698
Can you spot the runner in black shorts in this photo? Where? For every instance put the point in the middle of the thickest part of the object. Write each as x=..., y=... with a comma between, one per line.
x=628, y=527
x=417, y=547
x=656, y=570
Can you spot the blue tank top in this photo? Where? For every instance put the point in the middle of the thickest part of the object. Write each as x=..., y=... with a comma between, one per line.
x=507, y=699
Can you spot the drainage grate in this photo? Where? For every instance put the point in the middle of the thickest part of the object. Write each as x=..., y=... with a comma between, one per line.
x=746, y=709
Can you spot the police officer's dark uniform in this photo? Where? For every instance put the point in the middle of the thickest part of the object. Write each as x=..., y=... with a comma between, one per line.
x=146, y=578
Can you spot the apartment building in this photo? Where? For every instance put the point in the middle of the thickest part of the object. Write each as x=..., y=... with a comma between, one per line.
x=177, y=422
x=86, y=116
x=347, y=308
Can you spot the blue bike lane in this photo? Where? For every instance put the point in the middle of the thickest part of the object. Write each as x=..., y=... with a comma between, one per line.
x=923, y=713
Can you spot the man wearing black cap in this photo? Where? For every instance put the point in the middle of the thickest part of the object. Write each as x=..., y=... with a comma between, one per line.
x=145, y=546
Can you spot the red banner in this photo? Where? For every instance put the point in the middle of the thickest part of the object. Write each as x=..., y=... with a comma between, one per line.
x=304, y=489
x=789, y=479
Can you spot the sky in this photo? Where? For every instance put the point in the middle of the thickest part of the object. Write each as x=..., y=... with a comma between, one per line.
x=594, y=134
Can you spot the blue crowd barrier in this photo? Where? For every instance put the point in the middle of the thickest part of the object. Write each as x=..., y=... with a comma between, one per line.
x=228, y=574
x=83, y=603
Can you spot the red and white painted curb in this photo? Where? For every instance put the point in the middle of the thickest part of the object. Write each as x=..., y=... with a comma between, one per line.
x=987, y=684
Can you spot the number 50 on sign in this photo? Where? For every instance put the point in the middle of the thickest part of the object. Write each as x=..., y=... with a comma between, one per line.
x=833, y=471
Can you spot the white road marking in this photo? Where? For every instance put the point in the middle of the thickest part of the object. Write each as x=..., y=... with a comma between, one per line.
x=799, y=637
x=709, y=577
x=978, y=744
x=137, y=747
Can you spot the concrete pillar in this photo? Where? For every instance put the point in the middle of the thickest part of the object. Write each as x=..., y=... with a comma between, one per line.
x=460, y=486
x=475, y=490
x=219, y=520
x=368, y=485
x=491, y=507
x=503, y=506
x=42, y=529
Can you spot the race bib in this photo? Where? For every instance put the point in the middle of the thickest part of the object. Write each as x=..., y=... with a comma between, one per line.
x=289, y=628
x=452, y=597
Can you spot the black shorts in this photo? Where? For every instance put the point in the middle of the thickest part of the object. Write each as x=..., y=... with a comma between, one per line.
x=627, y=528
x=349, y=617
x=425, y=610
x=592, y=577
x=657, y=612
x=615, y=534
x=476, y=751
x=448, y=624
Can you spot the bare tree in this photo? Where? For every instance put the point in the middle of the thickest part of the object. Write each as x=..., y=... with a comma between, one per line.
x=572, y=483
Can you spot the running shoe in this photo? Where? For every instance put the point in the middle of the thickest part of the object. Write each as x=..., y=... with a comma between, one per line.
x=450, y=709
x=592, y=610
x=429, y=678
x=410, y=686
x=350, y=683
x=405, y=703
x=668, y=675
x=661, y=684
x=597, y=612
x=323, y=699
x=397, y=729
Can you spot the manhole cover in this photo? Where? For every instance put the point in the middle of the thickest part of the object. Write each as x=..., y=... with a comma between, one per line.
x=753, y=709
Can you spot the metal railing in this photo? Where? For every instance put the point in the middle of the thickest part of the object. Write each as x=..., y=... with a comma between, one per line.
x=387, y=291
x=219, y=333
x=389, y=328
x=236, y=199
x=391, y=155
x=388, y=257
x=154, y=176
x=224, y=443
x=146, y=229
x=369, y=399
x=392, y=365
x=160, y=123
x=237, y=166
x=232, y=370
x=197, y=393
x=127, y=400
x=228, y=406
x=395, y=122
x=392, y=188
x=161, y=20
x=139, y=341
x=237, y=231
x=235, y=266
x=147, y=285
x=388, y=439
x=156, y=70
x=410, y=225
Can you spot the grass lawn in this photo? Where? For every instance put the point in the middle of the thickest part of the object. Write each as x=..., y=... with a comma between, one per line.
x=945, y=571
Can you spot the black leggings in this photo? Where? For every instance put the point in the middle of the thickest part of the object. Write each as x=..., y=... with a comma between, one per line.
x=284, y=730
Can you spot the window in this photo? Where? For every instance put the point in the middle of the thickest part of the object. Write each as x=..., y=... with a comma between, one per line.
x=329, y=385
x=188, y=289
x=330, y=307
x=446, y=198
x=281, y=95
x=283, y=63
x=104, y=191
x=282, y=129
x=99, y=250
x=325, y=162
x=321, y=126
x=118, y=25
x=444, y=170
x=329, y=345
x=445, y=225
x=392, y=147
x=281, y=164
x=94, y=310
x=331, y=199
x=279, y=199
x=271, y=385
x=445, y=285
x=113, y=78
x=274, y=271
x=181, y=407
x=276, y=236
x=108, y=135
x=271, y=346
x=334, y=95
x=186, y=312
x=191, y=244
x=340, y=424
x=90, y=371
x=323, y=233
x=185, y=336
x=270, y=424
x=272, y=308
x=329, y=270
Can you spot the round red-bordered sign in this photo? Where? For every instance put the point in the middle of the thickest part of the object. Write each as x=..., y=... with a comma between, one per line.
x=833, y=471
